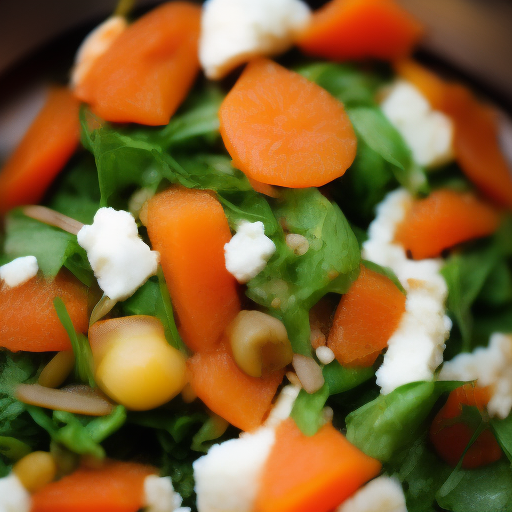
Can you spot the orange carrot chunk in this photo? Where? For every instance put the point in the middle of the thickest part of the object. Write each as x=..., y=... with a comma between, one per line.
x=44, y=150
x=359, y=29
x=366, y=317
x=444, y=219
x=148, y=70
x=189, y=229
x=317, y=473
x=450, y=438
x=28, y=320
x=115, y=487
x=282, y=129
x=228, y=391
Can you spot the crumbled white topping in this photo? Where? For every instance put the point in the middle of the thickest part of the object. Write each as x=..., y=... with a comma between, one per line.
x=384, y=494
x=429, y=133
x=325, y=355
x=95, y=45
x=227, y=477
x=159, y=495
x=490, y=366
x=121, y=261
x=416, y=348
x=248, y=251
x=19, y=271
x=13, y=496
x=234, y=31
x=283, y=405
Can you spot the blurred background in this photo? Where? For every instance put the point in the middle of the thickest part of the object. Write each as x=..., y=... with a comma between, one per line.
x=468, y=39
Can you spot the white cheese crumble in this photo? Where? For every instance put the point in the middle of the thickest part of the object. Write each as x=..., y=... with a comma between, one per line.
x=283, y=405
x=227, y=477
x=234, y=31
x=121, y=261
x=428, y=133
x=248, y=251
x=384, y=494
x=490, y=366
x=13, y=496
x=95, y=45
x=416, y=348
x=19, y=271
x=159, y=495
x=325, y=355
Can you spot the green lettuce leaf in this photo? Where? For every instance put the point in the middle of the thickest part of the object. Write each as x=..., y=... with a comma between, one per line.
x=307, y=410
x=340, y=378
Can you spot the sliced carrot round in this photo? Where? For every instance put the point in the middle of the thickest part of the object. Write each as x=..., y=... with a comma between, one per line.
x=228, y=391
x=148, y=70
x=189, y=229
x=444, y=219
x=28, y=320
x=359, y=29
x=115, y=487
x=281, y=129
x=365, y=319
x=450, y=438
x=317, y=473
x=44, y=150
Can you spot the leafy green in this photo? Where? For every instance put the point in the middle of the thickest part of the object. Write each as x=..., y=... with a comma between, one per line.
x=206, y=435
x=79, y=343
x=385, y=271
x=290, y=285
x=502, y=429
x=80, y=434
x=386, y=424
x=307, y=410
x=12, y=448
x=340, y=378
x=52, y=247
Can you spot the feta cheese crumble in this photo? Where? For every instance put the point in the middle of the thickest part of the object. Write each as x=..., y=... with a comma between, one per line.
x=19, y=271
x=227, y=478
x=13, y=496
x=429, y=133
x=490, y=366
x=121, y=261
x=234, y=31
x=248, y=251
x=384, y=494
x=95, y=45
x=325, y=355
x=159, y=495
x=416, y=348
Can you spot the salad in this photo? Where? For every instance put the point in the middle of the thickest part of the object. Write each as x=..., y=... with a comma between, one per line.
x=256, y=258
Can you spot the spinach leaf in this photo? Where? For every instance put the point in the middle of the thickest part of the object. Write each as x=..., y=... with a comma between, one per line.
x=385, y=271
x=502, y=429
x=80, y=434
x=307, y=410
x=290, y=285
x=388, y=423
x=341, y=378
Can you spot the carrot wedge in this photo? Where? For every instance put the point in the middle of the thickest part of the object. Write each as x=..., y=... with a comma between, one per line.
x=317, y=473
x=365, y=319
x=359, y=29
x=228, y=391
x=28, y=320
x=148, y=70
x=281, y=129
x=115, y=487
x=444, y=219
x=46, y=147
x=189, y=229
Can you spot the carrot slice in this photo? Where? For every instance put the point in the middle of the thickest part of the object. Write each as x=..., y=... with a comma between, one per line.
x=263, y=188
x=189, y=229
x=281, y=129
x=366, y=317
x=46, y=147
x=445, y=218
x=115, y=487
x=317, y=473
x=228, y=391
x=148, y=70
x=358, y=29
x=28, y=320
x=476, y=134
x=450, y=437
